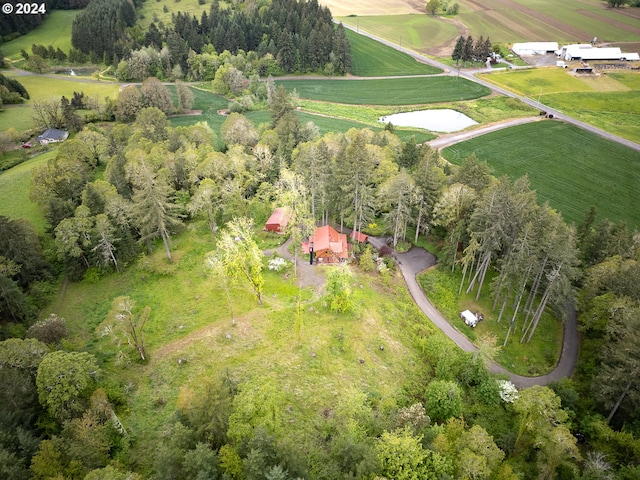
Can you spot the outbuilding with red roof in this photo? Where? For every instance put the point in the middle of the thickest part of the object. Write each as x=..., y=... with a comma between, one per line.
x=278, y=220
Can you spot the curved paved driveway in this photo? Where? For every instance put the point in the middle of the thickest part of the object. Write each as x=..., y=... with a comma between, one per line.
x=417, y=259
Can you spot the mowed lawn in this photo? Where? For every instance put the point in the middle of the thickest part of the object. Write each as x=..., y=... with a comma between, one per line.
x=55, y=30
x=609, y=101
x=370, y=58
x=569, y=167
x=15, y=185
x=395, y=91
x=416, y=32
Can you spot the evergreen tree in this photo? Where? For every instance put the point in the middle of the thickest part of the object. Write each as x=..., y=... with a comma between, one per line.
x=458, y=50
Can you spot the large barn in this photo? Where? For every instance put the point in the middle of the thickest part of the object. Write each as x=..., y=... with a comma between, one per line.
x=586, y=51
x=534, y=48
x=328, y=245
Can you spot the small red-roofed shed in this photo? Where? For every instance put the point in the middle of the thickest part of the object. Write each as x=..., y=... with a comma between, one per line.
x=358, y=237
x=278, y=220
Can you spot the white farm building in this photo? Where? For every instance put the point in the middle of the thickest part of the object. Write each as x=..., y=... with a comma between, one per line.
x=585, y=51
x=534, y=48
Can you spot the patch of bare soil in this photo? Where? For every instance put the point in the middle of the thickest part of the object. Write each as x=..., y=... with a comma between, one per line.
x=446, y=49
x=241, y=328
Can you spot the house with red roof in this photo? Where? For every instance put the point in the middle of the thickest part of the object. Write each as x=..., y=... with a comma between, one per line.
x=278, y=220
x=327, y=245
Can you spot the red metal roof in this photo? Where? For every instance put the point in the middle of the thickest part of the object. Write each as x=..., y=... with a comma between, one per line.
x=278, y=219
x=358, y=237
x=327, y=238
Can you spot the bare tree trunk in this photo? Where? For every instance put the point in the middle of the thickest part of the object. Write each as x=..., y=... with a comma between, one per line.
x=528, y=306
x=165, y=240
x=619, y=401
x=415, y=241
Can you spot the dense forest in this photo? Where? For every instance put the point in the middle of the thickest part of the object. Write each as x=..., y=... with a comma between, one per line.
x=285, y=36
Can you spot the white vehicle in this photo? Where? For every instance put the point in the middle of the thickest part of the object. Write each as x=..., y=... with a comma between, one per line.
x=470, y=318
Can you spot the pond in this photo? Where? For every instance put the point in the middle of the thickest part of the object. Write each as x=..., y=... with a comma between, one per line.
x=80, y=71
x=443, y=120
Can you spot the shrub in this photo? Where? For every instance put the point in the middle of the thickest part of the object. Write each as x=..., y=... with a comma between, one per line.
x=50, y=330
x=443, y=400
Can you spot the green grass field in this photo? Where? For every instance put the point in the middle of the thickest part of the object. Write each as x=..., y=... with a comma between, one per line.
x=416, y=32
x=610, y=102
x=396, y=91
x=370, y=58
x=153, y=10
x=40, y=87
x=569, y=167
x=15, y=185
x=55, y=30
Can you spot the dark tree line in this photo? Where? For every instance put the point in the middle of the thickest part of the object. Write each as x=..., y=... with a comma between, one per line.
x=101, y=28
x=300, y=35
x=470, y=50
x=12, y=26
x=12, y=91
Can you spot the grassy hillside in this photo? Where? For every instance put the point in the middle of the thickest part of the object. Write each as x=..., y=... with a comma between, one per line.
x=153, y=10
x=55, y=30
x=569, y=167
x=417, y=32
x=14, y=192
x=329, y=357
x=373, y=59
x=41, y=87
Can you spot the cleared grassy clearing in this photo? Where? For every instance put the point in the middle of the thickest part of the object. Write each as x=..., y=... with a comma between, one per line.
x=396, y=91
x=569, y=167
x=55, y=30
x=14, y=192
x=373, y=59
x=537, y=357
x=331, y=356
x=41, y=87
x=153, y=11
x=16, y=116
x=416, y=32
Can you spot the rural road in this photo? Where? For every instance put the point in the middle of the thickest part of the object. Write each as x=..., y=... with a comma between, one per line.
x=471, y=75
x=417, y=259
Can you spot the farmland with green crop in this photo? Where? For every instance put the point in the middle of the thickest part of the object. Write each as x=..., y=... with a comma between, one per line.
x=565, y=165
